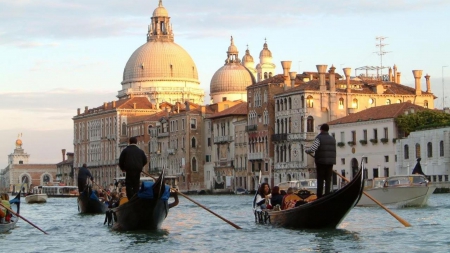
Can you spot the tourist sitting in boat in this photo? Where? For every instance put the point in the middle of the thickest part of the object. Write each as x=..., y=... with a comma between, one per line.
x=263, y=197
x=4, y=213
x=277, y=198
x=290, y=200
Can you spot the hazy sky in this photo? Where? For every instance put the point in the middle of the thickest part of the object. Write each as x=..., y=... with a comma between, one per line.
x=57, y=56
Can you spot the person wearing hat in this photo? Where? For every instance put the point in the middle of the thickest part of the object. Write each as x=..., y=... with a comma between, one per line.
x=324, y=147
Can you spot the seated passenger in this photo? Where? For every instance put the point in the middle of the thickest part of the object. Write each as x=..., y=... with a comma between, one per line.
x=4, y=213
x=277, y=198
x=263, y=197
x=290, y=199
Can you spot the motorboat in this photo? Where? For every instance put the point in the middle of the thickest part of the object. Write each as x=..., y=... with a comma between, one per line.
x=407, y=190
x=305, y=184
x=36, y=196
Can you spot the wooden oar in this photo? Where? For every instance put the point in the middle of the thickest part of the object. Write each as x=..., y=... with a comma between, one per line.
x=200, y=205
x=404, y=222
x=23, y=218
x=101, y=188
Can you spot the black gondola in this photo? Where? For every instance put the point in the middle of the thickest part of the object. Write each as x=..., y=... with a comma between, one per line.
x=146, y=210
x=5, y=227
x=326, y=212
x=89, y=203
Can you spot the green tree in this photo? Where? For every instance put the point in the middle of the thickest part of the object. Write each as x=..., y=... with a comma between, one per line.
x=422, y=119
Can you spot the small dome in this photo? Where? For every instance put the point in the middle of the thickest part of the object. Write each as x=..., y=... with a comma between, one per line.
x=18, y=142
x=160, y=11
x=231, y=78
x=232, y=49
x=265, y=52
x=247, y=57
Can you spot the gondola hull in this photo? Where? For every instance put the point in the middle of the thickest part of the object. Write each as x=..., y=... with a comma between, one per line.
x=141, y=214
x=89, y=205
x=326, y=212
x=5, y=227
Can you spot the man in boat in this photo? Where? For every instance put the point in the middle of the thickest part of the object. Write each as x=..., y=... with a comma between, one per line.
x=324, y=147
x=83, y=175
x=132, y=160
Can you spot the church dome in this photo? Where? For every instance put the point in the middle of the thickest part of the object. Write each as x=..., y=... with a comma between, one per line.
x=247, y=57
x=160, y=11
x=18, y=142
x=265, y=55
x=160, y=60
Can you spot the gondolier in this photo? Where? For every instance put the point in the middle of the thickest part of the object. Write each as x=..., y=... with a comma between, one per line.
x=324, y=147
x=132, y=160
x=83, y=175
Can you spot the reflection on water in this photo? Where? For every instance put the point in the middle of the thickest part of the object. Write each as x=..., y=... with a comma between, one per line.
x=189, y=228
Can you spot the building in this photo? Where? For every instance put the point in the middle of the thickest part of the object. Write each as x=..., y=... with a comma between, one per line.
x=64, y=170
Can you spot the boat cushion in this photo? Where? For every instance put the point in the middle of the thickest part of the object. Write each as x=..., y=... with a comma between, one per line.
x=146, y=190
x=166, y=194
x=93, y=196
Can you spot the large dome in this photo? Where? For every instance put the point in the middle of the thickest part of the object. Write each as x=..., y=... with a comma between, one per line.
x=160, y=60
x=231, y=78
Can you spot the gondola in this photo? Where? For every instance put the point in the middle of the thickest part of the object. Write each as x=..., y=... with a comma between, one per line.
x=326, y=212
x=146, y=210
x=5, y=227
x=89, y=203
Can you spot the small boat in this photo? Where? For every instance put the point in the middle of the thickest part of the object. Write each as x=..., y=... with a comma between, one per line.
x=89, y=202
x=5, y=227
x=36, y=196
x=408, y=190
x=325, y=212
x=146, y=210
x=60, y=191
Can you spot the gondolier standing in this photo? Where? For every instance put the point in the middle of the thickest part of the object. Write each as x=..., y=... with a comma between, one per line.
x=132, y=160
x=324, y=147
x=83, y=175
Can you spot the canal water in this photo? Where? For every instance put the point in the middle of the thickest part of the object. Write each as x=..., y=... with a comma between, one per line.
x=189, y=228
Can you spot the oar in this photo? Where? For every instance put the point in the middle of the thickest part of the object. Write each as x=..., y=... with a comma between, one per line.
x=200, y=205
x=101, y=188
x=404, y=222
x=18, y=215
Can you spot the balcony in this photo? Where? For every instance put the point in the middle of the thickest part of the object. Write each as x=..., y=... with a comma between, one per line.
x=251, y=128
x=224, y=164
x=223, y=139
x=279, y=137
x=305, y=136
x=171, y=151
x=256, y=156
x=163, y=134
x=289, y=165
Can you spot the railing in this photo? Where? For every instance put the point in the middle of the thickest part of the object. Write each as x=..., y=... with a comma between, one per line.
x=256, y=156
x=222, y=139
x=279, y=137
x=289, y=165
x=163, y=134
x=171, y=151
x=250, y=128
x=224, y=163
x=305, y=136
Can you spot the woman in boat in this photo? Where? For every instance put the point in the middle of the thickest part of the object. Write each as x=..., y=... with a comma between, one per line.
x=290, y=199
x=277, y=198
x=4, y=213
x=263, y=196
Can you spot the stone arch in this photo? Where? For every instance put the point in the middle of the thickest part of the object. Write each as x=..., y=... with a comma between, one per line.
x=46, y=178
x=27, y=179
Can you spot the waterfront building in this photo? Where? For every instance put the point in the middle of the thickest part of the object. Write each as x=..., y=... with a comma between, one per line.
x=303, y=106
x=19, y=171
x=64, y=169
x=371, y=133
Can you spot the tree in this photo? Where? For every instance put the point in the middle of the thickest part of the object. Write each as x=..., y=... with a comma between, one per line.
x=422, y=120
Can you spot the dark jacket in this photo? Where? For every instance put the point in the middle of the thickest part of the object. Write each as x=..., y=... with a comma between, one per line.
x=132, y=159
x=84, y=174
x=326, y=153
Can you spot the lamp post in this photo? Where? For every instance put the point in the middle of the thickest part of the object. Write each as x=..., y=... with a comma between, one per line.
x=443, y=95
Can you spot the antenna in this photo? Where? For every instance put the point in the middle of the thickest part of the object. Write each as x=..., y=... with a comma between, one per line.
x=381, y=52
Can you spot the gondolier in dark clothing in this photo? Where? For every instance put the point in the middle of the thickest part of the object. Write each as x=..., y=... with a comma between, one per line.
x=83, y=175
x=324, y=147
x=132, y=160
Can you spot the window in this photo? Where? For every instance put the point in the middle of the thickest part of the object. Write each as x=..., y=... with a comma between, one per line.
x=208, y=158
x=193, y=142
x=386, y=158
x=441, y=148
x=343, y=161
x=309, y=102
x=375, y=134
x=310, y=124
x=417, y=150
x=124, y=128
x=224, y=99
x=386, y=133
x=302, y=100
x=182, y=124
x=341, y=103
x=355, y=103
x=388, y=101
x=209, y=141
x=342, y=137
x=193, y=123
x=429, y=149
x=354, y=137
x=406, y=151
x=386, y=171
x=266, y=166
x=194, y=164
x=365, y=135
x=425, y=103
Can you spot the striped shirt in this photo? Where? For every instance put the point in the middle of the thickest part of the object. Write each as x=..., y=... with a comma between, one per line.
x=314, y=147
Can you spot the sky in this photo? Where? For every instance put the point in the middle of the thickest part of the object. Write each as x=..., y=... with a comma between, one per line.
x=58, y=55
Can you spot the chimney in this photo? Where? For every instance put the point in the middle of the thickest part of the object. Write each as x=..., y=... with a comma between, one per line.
x=64, y=154
x=390, y=74
x=347, y=73
x=105, y=105
x=134, y=105
x=78, y=111
x=332, y=78
x=395, y=74
x=85, y=109
x=322, y=69
x=286, y=67
x=417, y=75
x=398, y=77
x=293, y=76
x=113, y=104
x=427, y=78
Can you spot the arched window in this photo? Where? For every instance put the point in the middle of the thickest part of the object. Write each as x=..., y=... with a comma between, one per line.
x=399, y=101
x=309, y=102
x=270, y=74
x=124, y=128
x=341, y=103
x=441, y=148
x=388, y=101
x=46, y=179
x=265, y=75
x=193, y=142
x=425, y=103
x=194, y=164
x=310, y=124
x=406, y=152
x=302, y=101
x=302, y=125
x=417, y=150
x=355, y=103
x=278, y=105
x=290, y=103
x=429, y=149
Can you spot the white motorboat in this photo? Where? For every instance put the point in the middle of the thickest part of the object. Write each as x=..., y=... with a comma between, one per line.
x=36, y=198
x=408, y=190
